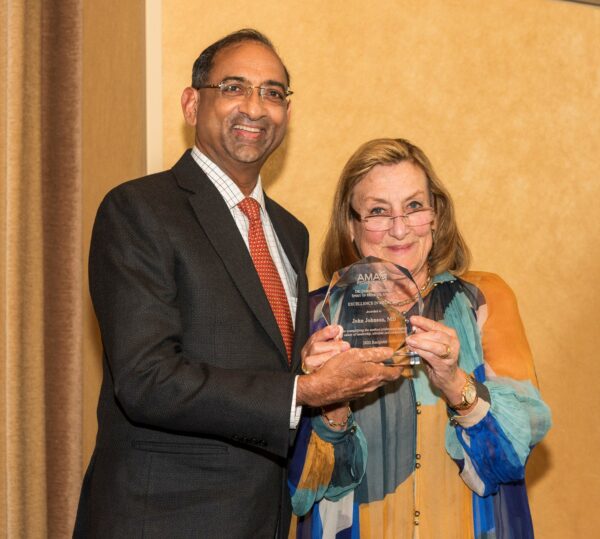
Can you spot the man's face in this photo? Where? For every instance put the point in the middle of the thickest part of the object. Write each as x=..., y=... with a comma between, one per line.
x=239, y=133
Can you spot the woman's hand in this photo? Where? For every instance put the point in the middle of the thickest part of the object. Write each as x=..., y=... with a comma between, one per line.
x=322, y=346
x=439, y=347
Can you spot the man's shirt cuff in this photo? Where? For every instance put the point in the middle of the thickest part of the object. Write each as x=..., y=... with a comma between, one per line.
x=296, y=411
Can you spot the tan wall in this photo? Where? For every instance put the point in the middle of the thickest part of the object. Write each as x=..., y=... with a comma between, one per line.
x=114, y=133
x=504, y=96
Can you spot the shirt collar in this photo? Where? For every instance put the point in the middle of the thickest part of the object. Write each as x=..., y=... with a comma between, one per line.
x=229, y=190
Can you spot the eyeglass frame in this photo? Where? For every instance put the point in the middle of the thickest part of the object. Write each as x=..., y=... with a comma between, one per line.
x=404, y=216
x=248, y=88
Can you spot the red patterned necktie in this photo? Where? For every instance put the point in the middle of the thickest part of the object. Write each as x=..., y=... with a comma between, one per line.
x=267, y=272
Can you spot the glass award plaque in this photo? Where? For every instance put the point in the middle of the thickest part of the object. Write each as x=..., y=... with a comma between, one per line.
x=363, y=299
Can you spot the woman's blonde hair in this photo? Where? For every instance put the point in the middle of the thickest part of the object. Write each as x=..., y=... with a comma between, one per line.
x=449, y=251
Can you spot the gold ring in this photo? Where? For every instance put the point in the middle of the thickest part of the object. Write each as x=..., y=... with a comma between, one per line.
x=304, y=369
x=448, y=350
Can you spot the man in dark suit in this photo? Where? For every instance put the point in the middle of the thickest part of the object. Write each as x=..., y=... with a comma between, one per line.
x=199, y=398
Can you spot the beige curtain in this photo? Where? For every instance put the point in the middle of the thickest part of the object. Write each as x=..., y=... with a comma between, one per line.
x=40, y=266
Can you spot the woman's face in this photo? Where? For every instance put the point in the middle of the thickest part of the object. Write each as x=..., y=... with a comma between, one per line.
x=394, y=190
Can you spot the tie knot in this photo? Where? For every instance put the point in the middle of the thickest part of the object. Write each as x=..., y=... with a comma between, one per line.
x=251, y=209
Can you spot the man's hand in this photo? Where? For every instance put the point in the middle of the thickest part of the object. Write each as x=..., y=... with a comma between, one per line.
x=346, y=376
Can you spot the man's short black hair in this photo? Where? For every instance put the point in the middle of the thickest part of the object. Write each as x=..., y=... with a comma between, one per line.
x=204, y=62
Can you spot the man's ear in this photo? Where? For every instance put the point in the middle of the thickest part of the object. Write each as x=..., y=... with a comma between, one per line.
x=189, y=105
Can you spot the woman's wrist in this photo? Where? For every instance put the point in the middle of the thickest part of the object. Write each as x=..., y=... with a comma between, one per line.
x=336, y=418
x=452, y=391
x=467, y=398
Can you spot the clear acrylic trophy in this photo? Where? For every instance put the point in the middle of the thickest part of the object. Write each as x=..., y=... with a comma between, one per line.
x=362, y=298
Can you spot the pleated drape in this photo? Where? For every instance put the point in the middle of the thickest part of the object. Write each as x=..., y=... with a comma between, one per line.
x=40, y=266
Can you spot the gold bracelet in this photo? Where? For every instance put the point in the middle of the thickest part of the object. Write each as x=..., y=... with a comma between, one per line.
x=333, y=423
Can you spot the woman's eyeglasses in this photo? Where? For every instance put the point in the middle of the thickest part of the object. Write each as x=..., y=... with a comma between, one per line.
x=381, y=223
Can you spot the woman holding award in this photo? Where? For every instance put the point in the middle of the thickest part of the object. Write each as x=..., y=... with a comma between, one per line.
x=440, y=453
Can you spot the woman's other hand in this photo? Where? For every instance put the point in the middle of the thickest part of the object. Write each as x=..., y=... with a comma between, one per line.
x=439, y=347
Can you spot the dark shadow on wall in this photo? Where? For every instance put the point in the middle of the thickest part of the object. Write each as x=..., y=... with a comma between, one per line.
x=538, y=465
x=589, y=2
x=271, y=171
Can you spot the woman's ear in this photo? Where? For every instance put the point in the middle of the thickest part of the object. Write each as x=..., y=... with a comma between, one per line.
x=351, y=223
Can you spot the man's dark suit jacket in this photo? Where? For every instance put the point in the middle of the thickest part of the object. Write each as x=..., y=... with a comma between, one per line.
x=195, y=402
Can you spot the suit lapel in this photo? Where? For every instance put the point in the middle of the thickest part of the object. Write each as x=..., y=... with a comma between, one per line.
x=218, y=225
x=279, y=221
